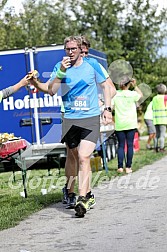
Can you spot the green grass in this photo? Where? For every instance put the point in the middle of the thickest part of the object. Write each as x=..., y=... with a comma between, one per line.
x=15, y=208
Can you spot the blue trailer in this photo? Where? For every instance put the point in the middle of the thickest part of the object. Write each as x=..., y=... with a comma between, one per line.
x=29, y=114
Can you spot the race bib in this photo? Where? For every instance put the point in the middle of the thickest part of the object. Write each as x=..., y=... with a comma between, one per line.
x=81, y=103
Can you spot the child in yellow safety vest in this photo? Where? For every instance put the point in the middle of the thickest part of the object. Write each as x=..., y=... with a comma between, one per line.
x=159, y=105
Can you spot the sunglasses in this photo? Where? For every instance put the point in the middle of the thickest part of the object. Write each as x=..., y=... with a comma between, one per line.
x=86, y=53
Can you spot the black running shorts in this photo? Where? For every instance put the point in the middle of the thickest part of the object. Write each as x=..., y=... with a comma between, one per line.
x=74, y=130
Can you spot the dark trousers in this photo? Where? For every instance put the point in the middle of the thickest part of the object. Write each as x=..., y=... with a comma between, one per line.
x=125, y=136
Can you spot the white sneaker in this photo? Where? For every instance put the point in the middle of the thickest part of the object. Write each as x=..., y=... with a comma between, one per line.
x=120, y=170
x=128, y=170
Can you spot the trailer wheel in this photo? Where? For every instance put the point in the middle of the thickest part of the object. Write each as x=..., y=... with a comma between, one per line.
x=111, y=148
x=108, y=152
x=114, y=150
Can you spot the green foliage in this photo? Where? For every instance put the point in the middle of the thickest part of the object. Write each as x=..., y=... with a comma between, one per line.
x=99, y=20
x=142, y=37
x=2, y=4
x=43, y=23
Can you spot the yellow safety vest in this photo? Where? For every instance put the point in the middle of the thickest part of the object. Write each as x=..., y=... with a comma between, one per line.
x=159, y=105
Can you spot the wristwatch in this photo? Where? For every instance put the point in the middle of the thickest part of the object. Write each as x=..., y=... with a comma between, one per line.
x=108, y=109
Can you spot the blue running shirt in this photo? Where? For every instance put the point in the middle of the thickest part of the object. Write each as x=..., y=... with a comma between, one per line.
x=79, y=89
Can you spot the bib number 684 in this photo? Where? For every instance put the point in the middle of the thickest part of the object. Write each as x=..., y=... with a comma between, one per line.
x=80, y=103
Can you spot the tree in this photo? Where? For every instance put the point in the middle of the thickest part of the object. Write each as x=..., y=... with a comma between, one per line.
x=2, y=4
x=99, y=20
x=43, y=23
x=40, y=23
x=142, y=36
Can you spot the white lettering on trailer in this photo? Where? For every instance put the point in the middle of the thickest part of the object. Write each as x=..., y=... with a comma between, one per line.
x=26, y=101
x=46, y=101
x=8, y=101
x=19, y=104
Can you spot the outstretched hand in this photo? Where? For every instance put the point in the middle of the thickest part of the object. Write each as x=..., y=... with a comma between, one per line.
x=24, y=81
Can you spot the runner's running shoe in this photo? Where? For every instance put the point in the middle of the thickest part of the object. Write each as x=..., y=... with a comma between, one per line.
x=81, y=206
x=71, y=201
x=91, y=201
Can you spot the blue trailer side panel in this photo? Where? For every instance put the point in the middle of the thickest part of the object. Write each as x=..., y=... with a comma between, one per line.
x=14, y=66
x=45, y=59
